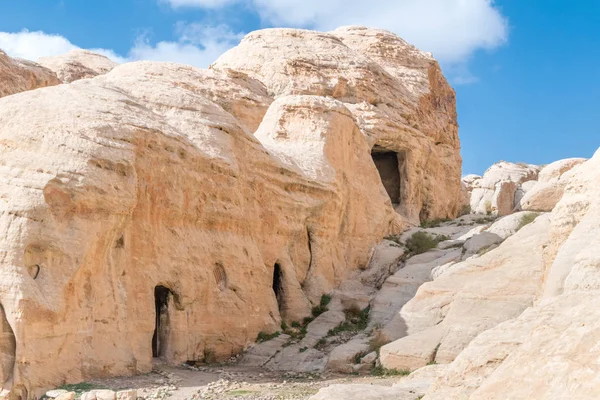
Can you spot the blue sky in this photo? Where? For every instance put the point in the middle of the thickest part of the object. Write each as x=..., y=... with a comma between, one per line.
x=526, y=73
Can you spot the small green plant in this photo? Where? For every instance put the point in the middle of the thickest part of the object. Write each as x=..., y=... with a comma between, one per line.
x=303, y=349
x=527, y=219
x=434, y=223
x=354, y=322
x=359, y=356
x=420, y=242
x=320, y=345
x=296, y=324
x=325, y=300
x=284, y=326
x=484, y=220
x=80, y=388
x=381, y=371
x=265, y=337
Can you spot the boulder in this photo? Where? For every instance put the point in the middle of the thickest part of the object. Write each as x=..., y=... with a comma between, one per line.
x=549, y=189
x=127, y=395
x=78, y=64
x=479, y=243
x=17, y=75
x=509, y=225
x=66, y=396
x=364, y=392
x=495, y=192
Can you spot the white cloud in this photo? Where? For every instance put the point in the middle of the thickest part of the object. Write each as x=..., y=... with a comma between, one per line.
x=451, y=29
x=33, y=45
x=196, y=44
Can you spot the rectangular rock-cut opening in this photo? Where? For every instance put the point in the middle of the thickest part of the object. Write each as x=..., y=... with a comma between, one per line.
x=278, y=285
x=389, y=164
x=161, y=328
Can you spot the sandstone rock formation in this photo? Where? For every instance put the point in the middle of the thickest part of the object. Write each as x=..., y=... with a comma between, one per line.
x=143, y=218
x=77, y=64
x=396, y=93
x=546, y=193
x=549, y=351
x=499, y=190
x=18, y=75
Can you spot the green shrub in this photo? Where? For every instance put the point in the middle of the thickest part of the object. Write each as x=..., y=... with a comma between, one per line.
x=355, y=322
x=325, y=300
x=80, y=388
x=420, y=242
x=265, y=337
x=527, y=219
x=434, y=223
x=381, y=371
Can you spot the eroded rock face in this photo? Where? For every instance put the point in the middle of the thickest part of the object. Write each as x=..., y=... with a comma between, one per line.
x=546, y=193
x=78, y=64
x=142, y=217
x=468, y=298
x=396, y=93
x=17, y=75
x=500, y=188
x=547, y=351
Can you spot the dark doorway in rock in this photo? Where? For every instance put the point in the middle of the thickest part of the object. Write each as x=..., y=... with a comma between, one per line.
x=161, y=328
x=389, y=164
x=278, y=285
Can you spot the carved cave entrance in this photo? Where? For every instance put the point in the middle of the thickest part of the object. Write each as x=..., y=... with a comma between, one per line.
x=162, y=323
x=390, y=167
x=278, y=285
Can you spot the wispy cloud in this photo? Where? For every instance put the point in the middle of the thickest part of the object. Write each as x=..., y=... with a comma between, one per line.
x=196, y=44
x=451, y=29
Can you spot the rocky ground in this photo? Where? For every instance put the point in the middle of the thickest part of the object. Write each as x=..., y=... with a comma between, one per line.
x=222, y=382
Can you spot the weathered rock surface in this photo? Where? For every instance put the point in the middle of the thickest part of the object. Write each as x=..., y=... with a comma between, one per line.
x=468, y=298
x=500, y=188
x=141, y=217
x=396, y=93
x=77, y=64
x=17, y=75
x=548, y=191
x=549, y=351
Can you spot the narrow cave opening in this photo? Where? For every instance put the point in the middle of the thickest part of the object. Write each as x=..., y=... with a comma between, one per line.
x=161, y=327
x=389, y=165
x=278, y=285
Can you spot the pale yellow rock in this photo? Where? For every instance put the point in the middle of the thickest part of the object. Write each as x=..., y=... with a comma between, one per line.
x=549, y=189
x=550, y=351
x=469, y=298
x=77, y=64
x=396, y=93
x=127, y=395
x=495, y=192
x=18, y=75
x=225, y=200
x=66, y=396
